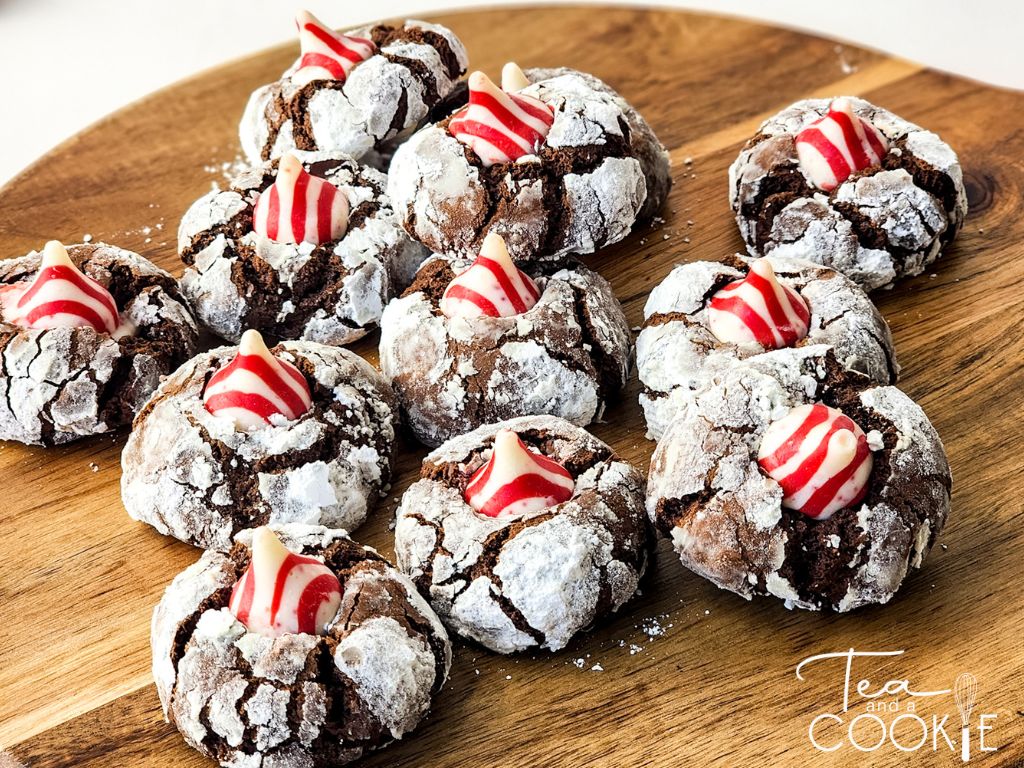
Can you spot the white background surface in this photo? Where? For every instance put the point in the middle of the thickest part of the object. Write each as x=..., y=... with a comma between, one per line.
x=66, y=63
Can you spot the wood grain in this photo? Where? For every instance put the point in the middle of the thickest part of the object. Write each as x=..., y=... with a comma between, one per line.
x=691, y=675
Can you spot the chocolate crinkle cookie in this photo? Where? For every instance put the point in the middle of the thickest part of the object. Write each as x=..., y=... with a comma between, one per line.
x=524, y=533
x=705, y=316
x=801, y=480
x=86, y=333
x=191, y=470
x=588, y=168
x=567, y=355
x=382, y=86
x=849, y=185
x=297, y=700
x=329, y=283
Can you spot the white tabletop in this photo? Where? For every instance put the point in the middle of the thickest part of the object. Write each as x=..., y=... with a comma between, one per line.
x=67, y=63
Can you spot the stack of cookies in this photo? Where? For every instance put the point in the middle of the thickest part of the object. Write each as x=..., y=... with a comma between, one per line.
x=388, y=192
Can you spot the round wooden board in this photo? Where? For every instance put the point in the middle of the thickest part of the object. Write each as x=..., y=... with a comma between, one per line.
x=686, y=674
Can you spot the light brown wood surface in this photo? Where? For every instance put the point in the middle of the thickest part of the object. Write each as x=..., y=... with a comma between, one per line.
x=78, y=579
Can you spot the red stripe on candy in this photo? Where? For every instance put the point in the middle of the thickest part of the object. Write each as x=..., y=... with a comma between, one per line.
x=336, y=45
x=523, y=487
x=323, y=61
x=299, y=204
x=462, y=293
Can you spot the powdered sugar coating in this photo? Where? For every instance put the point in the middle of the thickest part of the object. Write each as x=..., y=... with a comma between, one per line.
x=333, y=293
x=246, y=699
x=880, y=225
x=190, y=474
x=53, y=383
x=514, y=584
x=676, y=352
x=391, y=92
x=724, y=515
x=601, y=169
x=565, y=356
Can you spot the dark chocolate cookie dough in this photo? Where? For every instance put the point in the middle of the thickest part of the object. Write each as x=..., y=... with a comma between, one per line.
x=600, y=170
x=192, y=475
x=724, y=514
x=677, y=353
x=885, y=222
x=299, y=700
x=567, y=356
x=516, y=583
x=61, y=384
x=416, y=66
x=331, y=293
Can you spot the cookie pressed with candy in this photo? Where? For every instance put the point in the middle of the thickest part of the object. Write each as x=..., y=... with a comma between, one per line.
x=307, y=248
x=352, y=92
x=850, y=185
x=707, y=315
x=295, y=647
x=248, y=436
x=86, y=332
x=554, y=161
x=524, y=533
x=802, y=480
x=470, y=343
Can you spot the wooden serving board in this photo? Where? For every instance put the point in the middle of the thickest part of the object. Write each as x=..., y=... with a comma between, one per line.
x=686, y=674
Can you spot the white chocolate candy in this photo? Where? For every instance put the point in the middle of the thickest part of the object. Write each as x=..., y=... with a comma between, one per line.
x=60, y=296
x=327, y=55
x=832, y=148
x=512, y=78
x=759, y=309
x=492, y=286
x=283, y=593
x=299, y=207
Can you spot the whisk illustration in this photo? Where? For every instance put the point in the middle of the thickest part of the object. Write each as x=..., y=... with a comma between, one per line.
x=964, y=691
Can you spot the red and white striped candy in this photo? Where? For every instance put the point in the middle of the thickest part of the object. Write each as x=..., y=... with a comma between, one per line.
x=255, y=386
x=492, y=286
x=60, y=296
x=282, y=593
x=759, y=308
x=499, y=125
x=820, y=458
x=833, y=147
x=299, y=207
x=326, y=54
x=516, y=481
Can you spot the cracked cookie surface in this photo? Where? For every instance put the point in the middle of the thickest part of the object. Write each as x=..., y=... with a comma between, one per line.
x=297, y=701
x=415, y=67
x=192, y=475
x=676, y=352
x=600, y=170
x=516, y=583
x=881, y=224
x=567, y=356
x=61, y=384
x=724, y=515
x=331, y=293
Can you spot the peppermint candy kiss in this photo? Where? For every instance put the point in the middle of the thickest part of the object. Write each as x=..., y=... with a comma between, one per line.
x=60, y=296
x=820, y=458
x=327, y=55
x=492, y=286
x=516, y=481
x=282, y=593
x=832, y=148
x=300, y=208
x=501, y=126
x=255, y=386
x=759, y=308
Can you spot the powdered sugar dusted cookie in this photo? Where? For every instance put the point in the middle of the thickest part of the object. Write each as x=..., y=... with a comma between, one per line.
x=352, y=93
x=194, y=469
x=247, y=268
x=86, y=332
x=798, y=479
x=706, y=315
x=309, y=700
x=567, y=354
x=590, y=175
x=808, y=185
x=525, y=570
